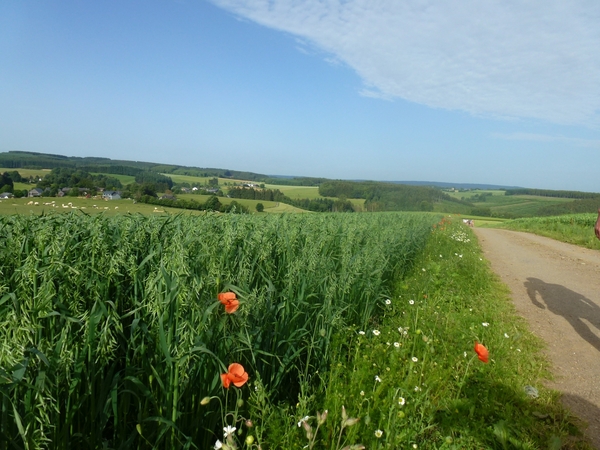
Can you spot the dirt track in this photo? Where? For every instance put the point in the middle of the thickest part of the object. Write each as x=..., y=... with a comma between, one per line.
x=556, y=287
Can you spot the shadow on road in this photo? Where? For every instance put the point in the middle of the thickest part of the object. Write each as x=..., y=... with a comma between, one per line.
x=587, y=411
x=569, y=304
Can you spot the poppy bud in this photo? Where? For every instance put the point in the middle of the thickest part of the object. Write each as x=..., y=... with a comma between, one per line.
x=205, y=401
x=351, y=421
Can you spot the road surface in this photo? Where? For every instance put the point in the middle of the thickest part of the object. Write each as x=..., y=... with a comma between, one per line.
x=556, y=288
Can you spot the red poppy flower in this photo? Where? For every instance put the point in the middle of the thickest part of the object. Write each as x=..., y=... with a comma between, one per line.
x=224, y=297
x=235, y=374
x=482, y=352
x=229, y=300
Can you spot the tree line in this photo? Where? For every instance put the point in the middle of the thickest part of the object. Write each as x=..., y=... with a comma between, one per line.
x=552, y=193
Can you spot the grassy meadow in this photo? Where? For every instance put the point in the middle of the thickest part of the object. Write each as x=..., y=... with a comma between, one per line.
x=352, y=331
x=93, y=206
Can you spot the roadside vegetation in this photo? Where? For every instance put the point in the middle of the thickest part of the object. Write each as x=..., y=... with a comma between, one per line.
x=263, y=331
x=575, y=229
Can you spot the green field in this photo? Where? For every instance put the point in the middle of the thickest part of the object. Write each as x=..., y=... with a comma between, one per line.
x=113, y=336
x=575, y=229
x=40, y=173
x=515, y=205
x=468, y=194
x=87, y=205
x=114, y=207
x=124, y=179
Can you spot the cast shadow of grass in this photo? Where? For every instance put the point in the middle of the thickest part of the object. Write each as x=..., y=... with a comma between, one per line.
x=493, y=414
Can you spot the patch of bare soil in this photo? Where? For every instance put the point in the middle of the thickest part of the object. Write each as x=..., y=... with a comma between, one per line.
x=556, y=287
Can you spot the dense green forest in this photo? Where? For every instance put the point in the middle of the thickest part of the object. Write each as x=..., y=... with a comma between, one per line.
x=34, y=160
x=551, y=193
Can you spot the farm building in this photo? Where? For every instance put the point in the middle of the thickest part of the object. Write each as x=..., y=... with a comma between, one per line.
x=35, y=192
x=111, y=195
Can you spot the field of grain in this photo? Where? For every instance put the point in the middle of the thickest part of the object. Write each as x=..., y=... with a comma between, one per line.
x=260, y=331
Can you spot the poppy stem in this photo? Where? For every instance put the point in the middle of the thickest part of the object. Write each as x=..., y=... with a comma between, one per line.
x=462, y=383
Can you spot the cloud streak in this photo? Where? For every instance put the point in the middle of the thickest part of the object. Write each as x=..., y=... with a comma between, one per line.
x=494, y=58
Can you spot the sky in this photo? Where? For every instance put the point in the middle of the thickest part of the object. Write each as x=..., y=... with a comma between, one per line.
x=471, y=91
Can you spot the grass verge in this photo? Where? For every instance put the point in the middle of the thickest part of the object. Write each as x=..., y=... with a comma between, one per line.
x=575, y=229
x=413, y=380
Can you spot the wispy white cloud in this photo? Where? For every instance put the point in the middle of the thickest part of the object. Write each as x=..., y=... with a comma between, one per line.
x=502, y=58
x=579, y=142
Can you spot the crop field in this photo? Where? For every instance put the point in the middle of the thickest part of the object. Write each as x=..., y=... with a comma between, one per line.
x=572, y=228
x=262, y=331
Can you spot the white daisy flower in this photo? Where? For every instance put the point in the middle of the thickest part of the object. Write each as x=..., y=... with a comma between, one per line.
x=396, y=344
x=361, y=332
x=388, y=302
x=228, y=430
x=376, y=332
x=377, y=378
x=378, y=433
x=414, y=359
x=401, y=401
x=411, y=302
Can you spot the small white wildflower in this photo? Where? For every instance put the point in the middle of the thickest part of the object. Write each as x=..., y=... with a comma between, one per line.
x=485, y=324
x=465, y=354
x=411, y=302
x=387, y=343
x=401, y=401
x=506, y=335
x=460, y=256
x=377, y=378
x=362, y=393
x=415, y=446
x=441, y=256
x=228, y=430
x=423, y=269
x=378, y=433
x=518, y=349
x=417, y=388
x=218, y=445
x=405, y=333
x=415, y=359
x=388, y=302
x=396, y=344
x=304, y=419
x=400, y=329
x=361, y=332
x=376, y=332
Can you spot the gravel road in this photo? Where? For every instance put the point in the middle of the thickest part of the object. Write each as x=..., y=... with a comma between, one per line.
x=556, y=287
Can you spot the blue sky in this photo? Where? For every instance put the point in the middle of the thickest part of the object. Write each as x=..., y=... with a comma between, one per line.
x=473, y=92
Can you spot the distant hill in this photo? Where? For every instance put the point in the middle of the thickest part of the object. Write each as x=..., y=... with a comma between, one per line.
x=455, y=185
